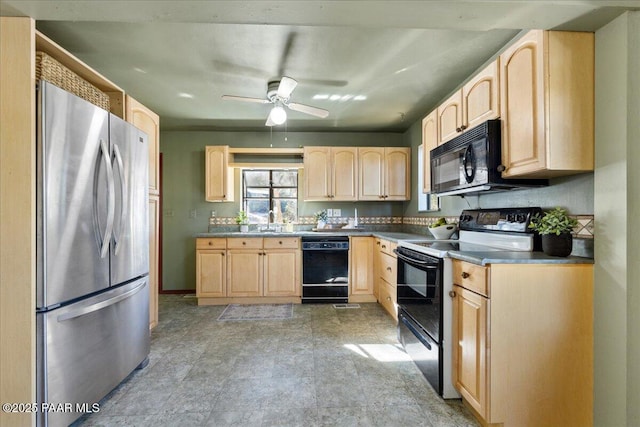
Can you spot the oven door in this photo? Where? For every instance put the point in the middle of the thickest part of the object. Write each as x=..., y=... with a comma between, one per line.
x=420, y=291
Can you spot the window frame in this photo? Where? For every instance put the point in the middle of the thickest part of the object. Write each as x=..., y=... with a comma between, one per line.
x=271, y=188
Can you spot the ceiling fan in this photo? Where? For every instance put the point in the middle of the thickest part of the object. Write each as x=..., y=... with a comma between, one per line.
x=279, y=93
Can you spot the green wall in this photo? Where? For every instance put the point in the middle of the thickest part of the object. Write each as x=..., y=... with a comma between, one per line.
x=183, y=188
x=617, y=207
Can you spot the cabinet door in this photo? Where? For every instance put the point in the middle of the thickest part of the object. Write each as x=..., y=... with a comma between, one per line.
x=154, y=252
x=361, y=265
x=317, y=173
x=480, y=97
x=344, y=182
x=397, y=175
x=429, y=142
x=217, y=173
x=244, y=273
x=211, y=273
x=371, y=171
x=522, y=105
x=282, y=273
x=148, y=122
x=470, y=349
x=450, y=118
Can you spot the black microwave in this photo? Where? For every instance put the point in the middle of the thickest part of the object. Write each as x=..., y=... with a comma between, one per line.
x=471, y=163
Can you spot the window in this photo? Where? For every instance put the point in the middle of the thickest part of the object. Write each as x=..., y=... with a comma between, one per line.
x=274, y=190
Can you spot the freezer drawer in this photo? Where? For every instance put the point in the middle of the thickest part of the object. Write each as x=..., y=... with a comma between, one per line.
x=86, y=349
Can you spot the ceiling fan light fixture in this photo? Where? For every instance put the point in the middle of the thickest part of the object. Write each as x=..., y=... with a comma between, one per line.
x=278, y=115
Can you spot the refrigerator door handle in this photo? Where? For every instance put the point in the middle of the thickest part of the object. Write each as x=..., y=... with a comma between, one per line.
x=100, y=305
x=123, y=196
x=111, y=200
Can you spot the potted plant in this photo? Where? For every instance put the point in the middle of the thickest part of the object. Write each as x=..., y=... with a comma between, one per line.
x=321, y=218
x=243, y=221
x=555, y=227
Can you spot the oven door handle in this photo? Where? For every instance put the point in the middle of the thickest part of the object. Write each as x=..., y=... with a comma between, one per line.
x=425, y=264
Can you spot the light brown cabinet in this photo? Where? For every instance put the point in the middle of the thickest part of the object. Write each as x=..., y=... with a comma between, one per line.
x=154, y=258
x=429, y=142
x=330, y=173
x=282, y=267
x=547, y=103
x=385, y=270
x=211, y=267
x=384, y=173
x=361, y=269
x=248, y=270
x=218, y=175
x=523, y=342
x=149, y=122
x=476, y=102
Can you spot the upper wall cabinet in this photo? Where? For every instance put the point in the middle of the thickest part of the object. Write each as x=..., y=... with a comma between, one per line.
x=330, y=173
x=476, y=102
x=149, y=122
x=218, y=179
x=547, y=102
x=429, y=142
x=385, y=173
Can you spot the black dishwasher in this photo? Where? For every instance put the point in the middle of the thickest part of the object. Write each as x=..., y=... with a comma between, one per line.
x=325, y=269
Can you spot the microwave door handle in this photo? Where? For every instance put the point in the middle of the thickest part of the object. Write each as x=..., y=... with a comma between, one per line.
x=469, y=159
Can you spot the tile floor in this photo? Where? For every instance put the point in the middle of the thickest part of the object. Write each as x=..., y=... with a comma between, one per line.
x=324, y=367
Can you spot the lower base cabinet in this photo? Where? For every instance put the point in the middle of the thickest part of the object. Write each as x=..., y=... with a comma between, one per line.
x=251, y=270
x=386, y=280
x=523, y=343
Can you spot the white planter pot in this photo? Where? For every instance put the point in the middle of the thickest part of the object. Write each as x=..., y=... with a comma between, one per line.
x=244, y=228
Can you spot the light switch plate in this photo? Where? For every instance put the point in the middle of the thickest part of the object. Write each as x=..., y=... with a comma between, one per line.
x=329, y=212
x=337, y=212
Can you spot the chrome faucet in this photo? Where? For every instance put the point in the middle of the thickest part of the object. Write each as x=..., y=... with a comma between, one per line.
x=269, y=219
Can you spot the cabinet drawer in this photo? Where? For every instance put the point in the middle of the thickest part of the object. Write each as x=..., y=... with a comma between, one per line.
x=385, y=246
x=282, y=243
x=242, y=243
x=387, y=298
x=388, y=269
x=211, y=243
x=471, y=276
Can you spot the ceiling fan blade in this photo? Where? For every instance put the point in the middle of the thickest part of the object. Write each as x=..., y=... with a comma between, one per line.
x=287, y=85
x=307, y=109
x=245, y=99
x=269, y=121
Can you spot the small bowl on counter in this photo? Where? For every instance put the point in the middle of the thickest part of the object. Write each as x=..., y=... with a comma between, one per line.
x=443, y=232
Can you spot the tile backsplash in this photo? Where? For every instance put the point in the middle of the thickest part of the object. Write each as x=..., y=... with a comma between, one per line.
x=584, y=229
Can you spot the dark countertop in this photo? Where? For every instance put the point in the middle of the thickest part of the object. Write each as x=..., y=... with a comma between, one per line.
x=513, y=257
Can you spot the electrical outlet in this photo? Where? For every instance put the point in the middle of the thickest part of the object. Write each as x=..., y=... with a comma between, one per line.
x=168, y=212
x=193, y=213
x=337, y=212
x=329, y=213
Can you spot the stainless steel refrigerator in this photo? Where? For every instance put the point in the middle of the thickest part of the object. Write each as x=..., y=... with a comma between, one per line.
x=92, y=296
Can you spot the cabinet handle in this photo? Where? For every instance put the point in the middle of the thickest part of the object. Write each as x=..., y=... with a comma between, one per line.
x=384, y=246
x=280, y=242
x=458, y=130
x=388, y=298
x=244, y=243
x=501, y=168
x=222, y=253
x=452, y=294
x=465, y=275
x=463, y=127
x=378, y=243
x=210, y=243
x=388, y=268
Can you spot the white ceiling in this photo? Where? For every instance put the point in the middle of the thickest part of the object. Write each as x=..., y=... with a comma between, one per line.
x=179, y=57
